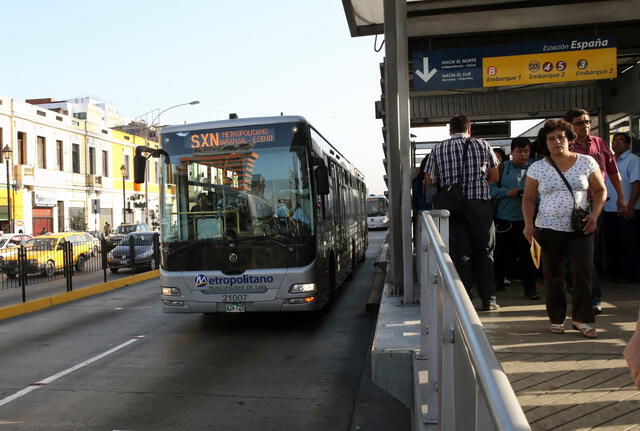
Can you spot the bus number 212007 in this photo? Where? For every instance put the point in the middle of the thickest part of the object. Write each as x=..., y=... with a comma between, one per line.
x=234, y=298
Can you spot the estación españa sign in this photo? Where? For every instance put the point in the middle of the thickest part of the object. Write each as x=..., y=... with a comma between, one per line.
x=515, y=64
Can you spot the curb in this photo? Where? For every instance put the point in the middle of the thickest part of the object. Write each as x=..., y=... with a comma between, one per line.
x=62, y=298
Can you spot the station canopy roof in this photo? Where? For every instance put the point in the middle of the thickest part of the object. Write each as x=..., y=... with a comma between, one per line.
x=450, y=24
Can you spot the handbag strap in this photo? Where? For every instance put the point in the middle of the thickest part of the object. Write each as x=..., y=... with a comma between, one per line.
x=564, y=179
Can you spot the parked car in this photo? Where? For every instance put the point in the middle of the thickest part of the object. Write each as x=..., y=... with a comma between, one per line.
x=124, y=229
x=143, y=245
x=10, y=240
x=45, y=254
x=92, y=242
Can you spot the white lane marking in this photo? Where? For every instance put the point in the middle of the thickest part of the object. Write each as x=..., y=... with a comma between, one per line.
x=67, y=371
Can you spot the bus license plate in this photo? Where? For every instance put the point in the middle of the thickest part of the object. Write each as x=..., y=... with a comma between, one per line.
x=231, y=307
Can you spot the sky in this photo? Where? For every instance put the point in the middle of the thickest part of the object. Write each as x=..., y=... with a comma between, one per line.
x=252, y=58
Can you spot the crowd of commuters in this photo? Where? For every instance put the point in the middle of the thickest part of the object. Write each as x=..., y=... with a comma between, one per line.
x=563, y=189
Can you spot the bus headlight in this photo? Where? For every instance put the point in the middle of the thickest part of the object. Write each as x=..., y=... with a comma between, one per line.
x=303, y=288
x=170, y=291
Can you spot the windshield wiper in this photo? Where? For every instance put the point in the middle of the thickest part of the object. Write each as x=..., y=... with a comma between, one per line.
x=289, y=248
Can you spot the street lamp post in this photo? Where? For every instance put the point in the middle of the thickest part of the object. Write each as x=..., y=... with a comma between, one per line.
x=123, y=171
x=157, y=117
x=6, y=152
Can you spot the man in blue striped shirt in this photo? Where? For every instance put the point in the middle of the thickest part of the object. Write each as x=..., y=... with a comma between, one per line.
x=472, y=234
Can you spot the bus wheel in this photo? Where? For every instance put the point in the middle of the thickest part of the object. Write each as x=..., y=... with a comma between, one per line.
x=333, y=286
x=353, y=261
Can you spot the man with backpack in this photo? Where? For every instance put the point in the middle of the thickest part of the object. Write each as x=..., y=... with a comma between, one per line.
x=462, y=167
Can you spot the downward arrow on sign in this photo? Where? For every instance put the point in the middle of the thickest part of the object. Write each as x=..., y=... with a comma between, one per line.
x=427, y=74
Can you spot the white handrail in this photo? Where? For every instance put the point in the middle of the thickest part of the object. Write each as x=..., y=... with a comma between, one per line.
x=446, y=310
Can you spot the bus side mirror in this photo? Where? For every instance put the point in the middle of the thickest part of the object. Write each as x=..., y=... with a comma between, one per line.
x=139, y=166
x=322, y=179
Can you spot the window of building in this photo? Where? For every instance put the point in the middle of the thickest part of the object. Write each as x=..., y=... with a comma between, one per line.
x=22, y=148
x=105, y=163
x=42, y=152
x=75, y=158
x=60, y=155
x=92, y=161
x=126, y=166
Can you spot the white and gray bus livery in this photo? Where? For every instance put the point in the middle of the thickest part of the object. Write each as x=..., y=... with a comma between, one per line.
x=257, y=214
x=377, y=212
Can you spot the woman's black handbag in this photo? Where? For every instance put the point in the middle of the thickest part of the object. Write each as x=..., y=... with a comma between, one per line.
x=577, y=214
x=451, y=197
x=577, y=218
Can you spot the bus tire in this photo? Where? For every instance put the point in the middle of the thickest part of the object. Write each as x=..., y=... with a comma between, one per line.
x=353, y=259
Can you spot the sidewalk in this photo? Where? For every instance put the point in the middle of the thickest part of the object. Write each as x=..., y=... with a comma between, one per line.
x=44, y=295
x=568, y=382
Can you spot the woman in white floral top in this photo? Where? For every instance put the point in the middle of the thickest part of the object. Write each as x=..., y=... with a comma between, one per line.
x=553, y=229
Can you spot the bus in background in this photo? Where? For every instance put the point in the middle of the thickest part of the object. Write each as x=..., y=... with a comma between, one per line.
x=257, y=214
x=377, y=212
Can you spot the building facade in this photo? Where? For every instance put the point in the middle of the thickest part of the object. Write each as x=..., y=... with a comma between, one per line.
x=67, y=165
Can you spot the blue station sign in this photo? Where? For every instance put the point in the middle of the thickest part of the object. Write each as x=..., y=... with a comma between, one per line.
x=515, y=64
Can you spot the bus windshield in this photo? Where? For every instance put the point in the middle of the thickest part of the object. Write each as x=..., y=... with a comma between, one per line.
x=246, y=189
x=377, y=207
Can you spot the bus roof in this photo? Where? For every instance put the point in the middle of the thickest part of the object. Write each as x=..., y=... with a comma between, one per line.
x=236, y=122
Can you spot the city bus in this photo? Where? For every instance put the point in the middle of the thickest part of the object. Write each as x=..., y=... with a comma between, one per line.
x=256, y=214
x=377, y=212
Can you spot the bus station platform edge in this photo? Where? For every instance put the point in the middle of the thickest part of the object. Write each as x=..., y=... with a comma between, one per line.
x=83, y=292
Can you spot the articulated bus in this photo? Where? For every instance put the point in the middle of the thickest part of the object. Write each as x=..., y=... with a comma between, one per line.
x=259, y=214
x=377, y=212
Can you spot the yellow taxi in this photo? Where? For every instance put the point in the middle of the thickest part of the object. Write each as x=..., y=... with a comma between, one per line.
x=45, y=254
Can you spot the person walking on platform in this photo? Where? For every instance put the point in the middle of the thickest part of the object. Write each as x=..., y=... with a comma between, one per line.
x=595, y=147
x=509, y=222
x=563, y=179
x=465, y=164
x=621, y=230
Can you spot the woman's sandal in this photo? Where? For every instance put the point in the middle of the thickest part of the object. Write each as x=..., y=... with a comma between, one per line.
x=557, y=328
x=586, y=330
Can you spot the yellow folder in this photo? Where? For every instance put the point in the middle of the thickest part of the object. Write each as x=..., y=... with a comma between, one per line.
x=535, y=252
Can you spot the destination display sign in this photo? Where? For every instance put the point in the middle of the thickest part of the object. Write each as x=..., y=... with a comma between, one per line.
x=515, y=64
x=209, y=140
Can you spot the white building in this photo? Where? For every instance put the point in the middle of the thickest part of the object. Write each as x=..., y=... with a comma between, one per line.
x=64, y=161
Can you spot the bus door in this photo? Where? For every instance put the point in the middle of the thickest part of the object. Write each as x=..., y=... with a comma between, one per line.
x=339, y=207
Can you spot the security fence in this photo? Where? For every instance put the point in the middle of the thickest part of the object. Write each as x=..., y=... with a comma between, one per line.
x=50, y=258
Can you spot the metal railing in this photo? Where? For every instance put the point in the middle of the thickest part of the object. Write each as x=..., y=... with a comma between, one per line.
x=48, y=261
x=465, y=387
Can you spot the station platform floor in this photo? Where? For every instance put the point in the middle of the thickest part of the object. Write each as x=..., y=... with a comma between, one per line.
x=568, y=382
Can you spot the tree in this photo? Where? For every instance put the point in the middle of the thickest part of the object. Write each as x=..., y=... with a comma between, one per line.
x=78, y=223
